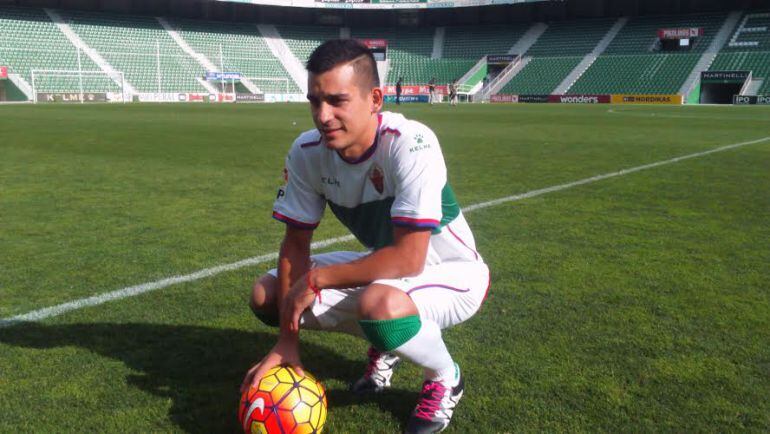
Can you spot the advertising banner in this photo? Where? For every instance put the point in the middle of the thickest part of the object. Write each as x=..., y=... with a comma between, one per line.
x=681, y=33
x=500, y=59
x=415, y=90
x=579, y=99
x=751, y=100
x=647, y=99
x=71, y=97
x=407, y=98
x=374, y=43
x=249, y=97
x=533, y=98
x=196, y=97
x=3, y=72
x=724, y=76
x=216, y=76
x=504, y=98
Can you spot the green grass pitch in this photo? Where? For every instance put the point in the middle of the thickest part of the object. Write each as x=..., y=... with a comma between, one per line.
x=639, y=303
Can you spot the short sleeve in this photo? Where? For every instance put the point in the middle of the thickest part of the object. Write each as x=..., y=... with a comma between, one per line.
x=298, y=204
x=420, y=177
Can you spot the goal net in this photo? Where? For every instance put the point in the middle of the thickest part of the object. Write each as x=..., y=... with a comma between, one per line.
x=61, y=85
x=271, y=85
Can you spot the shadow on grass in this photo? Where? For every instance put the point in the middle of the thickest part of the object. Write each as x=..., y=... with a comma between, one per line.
x=198, y=368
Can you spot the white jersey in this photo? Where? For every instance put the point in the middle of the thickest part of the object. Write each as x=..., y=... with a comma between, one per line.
x=401, y=180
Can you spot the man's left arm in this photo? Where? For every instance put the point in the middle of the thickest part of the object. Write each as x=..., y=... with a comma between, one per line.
x=404, y=258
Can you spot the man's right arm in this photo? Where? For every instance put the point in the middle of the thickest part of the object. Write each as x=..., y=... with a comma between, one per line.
x=293, y=261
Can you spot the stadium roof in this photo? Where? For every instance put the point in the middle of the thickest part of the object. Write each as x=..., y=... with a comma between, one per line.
x=382, y=4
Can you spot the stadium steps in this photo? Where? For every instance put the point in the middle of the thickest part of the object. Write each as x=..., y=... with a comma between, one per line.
x=753, y=87
x=749, y=49
x=22, y=84
x=541, y=76
x=711, y=52
x=105, y=66
x=236, y=47
x=302, y=40
x=522, y=45
x=591, y=57
x=473, y=80
x=204, y=61
x=438, y=43
x=504, y=77
x=282, y=52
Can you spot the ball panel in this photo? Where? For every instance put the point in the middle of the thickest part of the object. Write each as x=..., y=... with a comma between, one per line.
x=258, y=428
x=268, y=383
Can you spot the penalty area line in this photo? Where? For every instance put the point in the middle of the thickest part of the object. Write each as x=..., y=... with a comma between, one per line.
x=131, y=291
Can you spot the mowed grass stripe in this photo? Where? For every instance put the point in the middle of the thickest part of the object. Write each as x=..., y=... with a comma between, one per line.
x=131, y=291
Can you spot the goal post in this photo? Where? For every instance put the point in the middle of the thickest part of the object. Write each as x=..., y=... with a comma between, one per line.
x=78, y=86
x=278, y=85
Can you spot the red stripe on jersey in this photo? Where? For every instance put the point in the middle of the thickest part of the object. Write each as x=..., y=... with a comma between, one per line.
x=393, y=131
x=296, y=223
x=423, y=223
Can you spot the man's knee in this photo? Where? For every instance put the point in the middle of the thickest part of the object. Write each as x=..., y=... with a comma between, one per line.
x=385, y=302
x=262, y=300
x=388, y=317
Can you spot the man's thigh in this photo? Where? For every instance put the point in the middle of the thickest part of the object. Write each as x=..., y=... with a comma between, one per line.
x=446, y=293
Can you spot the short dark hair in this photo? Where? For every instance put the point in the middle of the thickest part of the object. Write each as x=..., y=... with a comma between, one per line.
x=336, y=52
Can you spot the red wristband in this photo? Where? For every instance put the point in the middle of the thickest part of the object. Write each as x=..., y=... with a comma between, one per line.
x=313, y=287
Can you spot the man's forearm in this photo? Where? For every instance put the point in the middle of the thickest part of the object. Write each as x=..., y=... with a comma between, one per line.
x=293, y=263
x=386, y=263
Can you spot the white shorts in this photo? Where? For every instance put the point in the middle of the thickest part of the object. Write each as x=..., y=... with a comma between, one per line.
x=448, y=293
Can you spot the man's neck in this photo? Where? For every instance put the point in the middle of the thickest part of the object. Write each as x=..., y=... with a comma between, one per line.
x=358, y=149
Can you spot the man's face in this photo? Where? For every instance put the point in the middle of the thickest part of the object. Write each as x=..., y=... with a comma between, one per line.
x=341, y=108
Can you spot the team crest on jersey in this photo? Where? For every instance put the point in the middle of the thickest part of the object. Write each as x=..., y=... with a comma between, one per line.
x=378, y=179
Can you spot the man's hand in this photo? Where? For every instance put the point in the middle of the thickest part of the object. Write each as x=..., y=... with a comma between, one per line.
x=299, y=298
x=285, y=352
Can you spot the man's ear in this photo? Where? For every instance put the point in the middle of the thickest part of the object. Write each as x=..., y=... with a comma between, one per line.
x=377, y=99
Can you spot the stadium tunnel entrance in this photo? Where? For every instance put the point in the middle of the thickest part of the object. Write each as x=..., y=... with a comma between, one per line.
x=719, y=87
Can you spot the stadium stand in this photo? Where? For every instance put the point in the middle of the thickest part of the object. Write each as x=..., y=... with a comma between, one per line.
x=31, y=41
x=302, y=40
x=153, y=61
x=473, y=42
x=140, y=48
x=555, y=54
x=236, y=47
x=409, y=51
x=631, y=63
x=749, y=49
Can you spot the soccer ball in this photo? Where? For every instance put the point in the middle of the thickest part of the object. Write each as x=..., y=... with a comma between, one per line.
x=284, y=403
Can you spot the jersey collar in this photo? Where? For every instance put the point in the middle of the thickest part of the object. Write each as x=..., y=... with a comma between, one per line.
x=369, y=152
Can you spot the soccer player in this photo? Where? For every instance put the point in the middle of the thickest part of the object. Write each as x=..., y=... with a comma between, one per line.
x=399, y=84
x=432, y=90
x=383, y=176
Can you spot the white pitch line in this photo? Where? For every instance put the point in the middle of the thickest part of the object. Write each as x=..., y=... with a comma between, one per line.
x=131, y=291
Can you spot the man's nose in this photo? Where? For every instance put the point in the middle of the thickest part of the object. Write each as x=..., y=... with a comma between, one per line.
x=325, y=114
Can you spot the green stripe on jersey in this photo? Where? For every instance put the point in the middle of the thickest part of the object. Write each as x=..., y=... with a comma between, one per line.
x=371, y=224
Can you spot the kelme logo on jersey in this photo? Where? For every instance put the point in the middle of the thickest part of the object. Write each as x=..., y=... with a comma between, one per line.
x=378, y=179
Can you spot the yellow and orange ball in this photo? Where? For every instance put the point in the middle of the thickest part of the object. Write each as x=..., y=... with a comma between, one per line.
x=284, y=403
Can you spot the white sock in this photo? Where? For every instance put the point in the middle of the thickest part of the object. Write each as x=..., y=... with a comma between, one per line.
x=428, y=350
